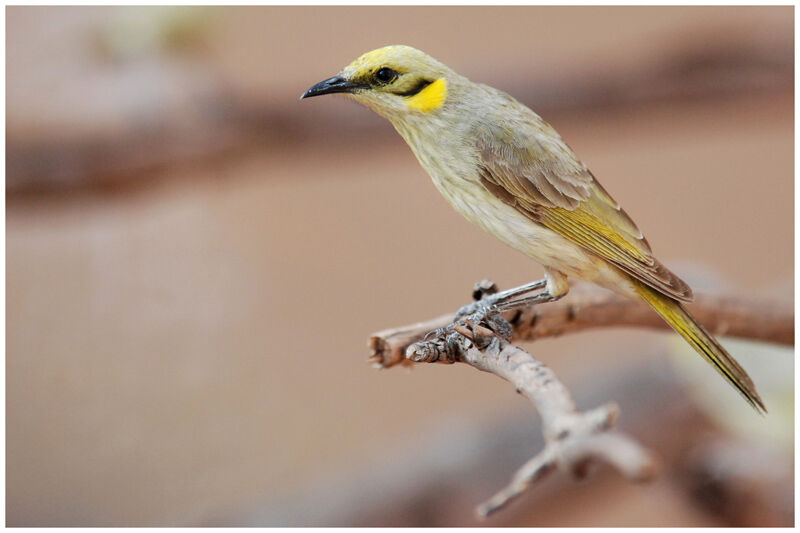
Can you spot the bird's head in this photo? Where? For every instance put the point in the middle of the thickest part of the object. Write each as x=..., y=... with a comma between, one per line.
x=394, y=81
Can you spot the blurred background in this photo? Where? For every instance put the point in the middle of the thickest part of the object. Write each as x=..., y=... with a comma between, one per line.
x=195, y=260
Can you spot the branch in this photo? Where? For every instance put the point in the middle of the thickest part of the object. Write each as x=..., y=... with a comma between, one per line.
x=572, y=438
x=588, y=307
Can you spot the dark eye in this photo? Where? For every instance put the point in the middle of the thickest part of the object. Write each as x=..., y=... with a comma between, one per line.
x=385, y=75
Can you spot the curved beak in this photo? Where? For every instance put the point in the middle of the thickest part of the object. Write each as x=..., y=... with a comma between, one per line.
x=337, y=84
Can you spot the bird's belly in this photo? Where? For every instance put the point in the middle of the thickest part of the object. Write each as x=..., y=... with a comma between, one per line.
x=534, y=240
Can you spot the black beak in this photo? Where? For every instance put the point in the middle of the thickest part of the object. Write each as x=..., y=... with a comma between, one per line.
x=336, y=84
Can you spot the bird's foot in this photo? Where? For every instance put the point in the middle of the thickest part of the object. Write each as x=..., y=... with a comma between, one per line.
x=488, y=304
x=479, y=322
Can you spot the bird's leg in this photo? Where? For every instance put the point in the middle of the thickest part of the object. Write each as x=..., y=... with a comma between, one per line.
x=541, y=298
x=557, y=286
x=507, y=295
x=486, y=296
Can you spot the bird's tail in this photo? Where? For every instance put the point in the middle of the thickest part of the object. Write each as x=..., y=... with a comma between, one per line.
x=682, y=322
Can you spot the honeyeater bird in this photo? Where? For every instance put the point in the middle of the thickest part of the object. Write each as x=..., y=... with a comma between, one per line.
x=507, y=170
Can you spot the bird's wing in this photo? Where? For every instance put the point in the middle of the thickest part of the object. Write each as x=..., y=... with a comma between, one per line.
x=541, y=177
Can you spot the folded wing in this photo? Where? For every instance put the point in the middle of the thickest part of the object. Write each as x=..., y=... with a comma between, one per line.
x=529, y=167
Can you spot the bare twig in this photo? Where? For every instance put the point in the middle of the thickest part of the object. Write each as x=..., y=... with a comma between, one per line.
x=588, y=307
x=572, y=438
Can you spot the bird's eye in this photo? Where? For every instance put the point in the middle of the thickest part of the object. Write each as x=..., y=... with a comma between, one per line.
x=385, y=75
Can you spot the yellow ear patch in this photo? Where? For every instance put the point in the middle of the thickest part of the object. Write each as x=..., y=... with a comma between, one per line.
x=429, y=98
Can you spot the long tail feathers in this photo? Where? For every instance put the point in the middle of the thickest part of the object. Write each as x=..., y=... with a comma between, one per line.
x=682, y=322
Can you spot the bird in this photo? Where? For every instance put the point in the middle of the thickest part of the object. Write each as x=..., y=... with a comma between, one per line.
x=505, y=169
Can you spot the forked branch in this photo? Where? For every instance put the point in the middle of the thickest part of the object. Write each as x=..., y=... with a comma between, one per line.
x=572, y=438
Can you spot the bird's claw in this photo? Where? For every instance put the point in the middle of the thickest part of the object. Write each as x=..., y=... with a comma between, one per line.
x=438, y=332
x=468, y=317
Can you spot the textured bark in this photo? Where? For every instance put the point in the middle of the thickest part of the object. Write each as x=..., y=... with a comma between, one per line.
x=588, y=307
